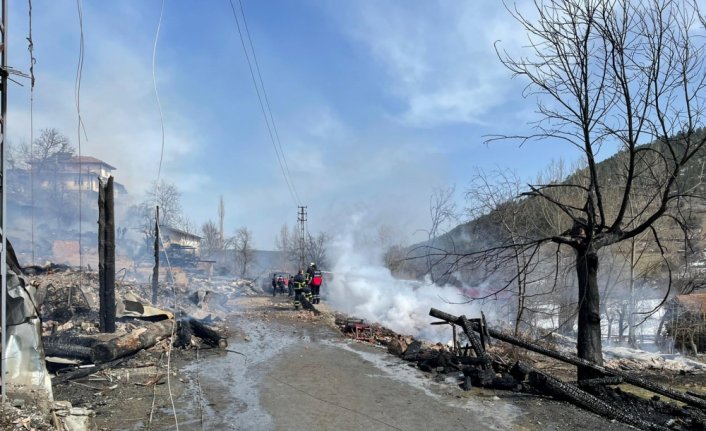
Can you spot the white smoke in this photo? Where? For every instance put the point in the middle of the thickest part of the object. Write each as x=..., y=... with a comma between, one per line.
x=362, y=287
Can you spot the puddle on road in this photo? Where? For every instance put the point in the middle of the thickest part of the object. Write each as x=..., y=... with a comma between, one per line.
x=229, y=383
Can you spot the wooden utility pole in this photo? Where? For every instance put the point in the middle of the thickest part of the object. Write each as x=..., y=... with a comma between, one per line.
x=155, y=270
x=106, y=255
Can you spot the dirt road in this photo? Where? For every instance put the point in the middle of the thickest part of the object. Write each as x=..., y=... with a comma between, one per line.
x=299, y=373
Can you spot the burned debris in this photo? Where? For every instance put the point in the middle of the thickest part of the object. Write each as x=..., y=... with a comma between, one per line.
x=596, y=395
x=518, y=365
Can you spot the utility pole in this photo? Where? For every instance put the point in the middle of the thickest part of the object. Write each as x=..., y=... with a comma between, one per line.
x=301, y=219
x=106, y=255
x=155, y=269
x=3, y=252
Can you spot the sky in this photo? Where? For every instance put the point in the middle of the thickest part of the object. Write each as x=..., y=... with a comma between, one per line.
x=376, y=103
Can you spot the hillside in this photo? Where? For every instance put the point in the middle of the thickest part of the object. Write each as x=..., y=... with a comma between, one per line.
x=528, y=218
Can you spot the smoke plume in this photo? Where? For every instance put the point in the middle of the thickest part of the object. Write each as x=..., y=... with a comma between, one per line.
x=362, y=287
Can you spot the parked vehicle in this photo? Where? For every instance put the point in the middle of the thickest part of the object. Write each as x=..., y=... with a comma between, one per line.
x=280, y=283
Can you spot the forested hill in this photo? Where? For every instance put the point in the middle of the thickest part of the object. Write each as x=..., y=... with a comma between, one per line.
x=523, y=218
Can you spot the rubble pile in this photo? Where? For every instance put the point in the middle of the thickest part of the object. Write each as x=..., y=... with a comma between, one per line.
x=74, y=348
x=359, y=330
x=18, y=416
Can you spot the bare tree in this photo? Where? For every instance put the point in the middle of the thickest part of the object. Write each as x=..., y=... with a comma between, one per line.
x=316, y=249
x=14, y=156
x=288, y=246
x=442, y=211
x=211, y=238
x=395, y=250
x=221, y=217
x=244, y=251
x=624, y=73
x=168, y=197
x=497, y=195
x=45, y=159
x=49, y=147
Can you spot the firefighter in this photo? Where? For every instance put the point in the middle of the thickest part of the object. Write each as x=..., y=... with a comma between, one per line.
x=315, y=279
x=310, y=272
x=280, y=284
x=274, y=284
x=299, y=283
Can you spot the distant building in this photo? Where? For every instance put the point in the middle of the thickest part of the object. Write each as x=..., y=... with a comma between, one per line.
x=182, y=248
x=65, y=173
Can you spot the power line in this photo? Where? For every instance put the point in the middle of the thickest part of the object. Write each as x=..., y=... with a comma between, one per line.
x=156, y=197
x=267, y=100
x=264, y=112
x=80, y=125
x=156, y=94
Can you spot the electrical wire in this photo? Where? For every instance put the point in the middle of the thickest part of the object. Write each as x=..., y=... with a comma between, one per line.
x=287, y=180
x=32, y=62
x=156, y=197
x=77, y=94
x=154, y=392
x=156, y=95
x=267, y=100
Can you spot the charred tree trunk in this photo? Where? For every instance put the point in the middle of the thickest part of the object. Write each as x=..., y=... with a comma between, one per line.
x=208, y=335
x=155, y=270
x=83, y=372
x=558, y=389
x=589, y=317
x=141, y=338
x=106, y=256
x=66, y=350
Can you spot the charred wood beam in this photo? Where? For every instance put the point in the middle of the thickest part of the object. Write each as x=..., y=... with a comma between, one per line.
x=697, y=395
x=476, y=343
x=558, y=389
x=67, y=350
x=133, y=342
x=575, y=360
x=604, y=381
x=70, y=339
x=183, y=334
x=83, y=372
x=208, y=335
